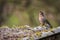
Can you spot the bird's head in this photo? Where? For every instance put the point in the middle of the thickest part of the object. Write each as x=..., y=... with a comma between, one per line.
x=41, y=13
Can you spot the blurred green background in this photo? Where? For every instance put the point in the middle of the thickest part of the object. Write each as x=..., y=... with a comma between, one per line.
x=25, y=12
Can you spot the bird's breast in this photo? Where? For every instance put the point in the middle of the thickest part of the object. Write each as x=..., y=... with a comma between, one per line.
x=42, y=19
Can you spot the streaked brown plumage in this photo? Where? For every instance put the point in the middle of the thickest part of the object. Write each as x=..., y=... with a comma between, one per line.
x=43, y=20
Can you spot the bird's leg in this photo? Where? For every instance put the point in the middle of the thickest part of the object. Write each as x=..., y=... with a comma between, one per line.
x=42, y=24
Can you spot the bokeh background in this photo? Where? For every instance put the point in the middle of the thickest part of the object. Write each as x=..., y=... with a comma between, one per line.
x=25, y=12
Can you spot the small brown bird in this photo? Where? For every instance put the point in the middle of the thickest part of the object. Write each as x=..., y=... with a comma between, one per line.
x=43, y=21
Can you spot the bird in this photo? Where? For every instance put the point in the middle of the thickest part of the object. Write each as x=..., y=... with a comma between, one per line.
x=43, y=20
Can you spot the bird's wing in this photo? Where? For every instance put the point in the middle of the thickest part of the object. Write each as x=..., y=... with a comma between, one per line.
x=47, y=22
